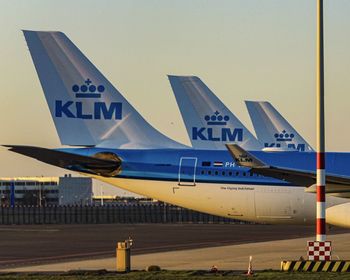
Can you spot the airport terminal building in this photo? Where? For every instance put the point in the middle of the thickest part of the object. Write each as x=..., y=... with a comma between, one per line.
x=45, y=191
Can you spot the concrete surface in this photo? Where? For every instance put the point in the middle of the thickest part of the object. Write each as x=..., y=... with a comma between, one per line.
x=266, y=255
x=39, y=244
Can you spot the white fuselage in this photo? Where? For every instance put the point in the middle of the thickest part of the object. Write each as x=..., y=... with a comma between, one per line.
x=255, y=203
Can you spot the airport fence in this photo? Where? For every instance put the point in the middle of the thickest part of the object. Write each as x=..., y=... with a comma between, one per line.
x=124, y=214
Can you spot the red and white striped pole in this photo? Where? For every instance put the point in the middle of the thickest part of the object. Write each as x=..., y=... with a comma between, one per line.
x=321, y=174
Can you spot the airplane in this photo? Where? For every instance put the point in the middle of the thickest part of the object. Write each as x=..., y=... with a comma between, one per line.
x=195, y=100
x=119, y=147
x=273, y=130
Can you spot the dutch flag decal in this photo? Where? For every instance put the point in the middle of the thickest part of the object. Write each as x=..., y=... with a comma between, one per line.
x=218, y=163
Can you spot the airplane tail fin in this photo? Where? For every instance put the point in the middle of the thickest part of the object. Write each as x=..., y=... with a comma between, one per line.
x=86, y=108
x=273, y=130
x=209, y=123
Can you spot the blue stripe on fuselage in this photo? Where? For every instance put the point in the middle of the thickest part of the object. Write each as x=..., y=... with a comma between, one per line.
x=163, y=164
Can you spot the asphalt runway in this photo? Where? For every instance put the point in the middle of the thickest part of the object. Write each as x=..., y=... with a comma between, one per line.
x=39, y=244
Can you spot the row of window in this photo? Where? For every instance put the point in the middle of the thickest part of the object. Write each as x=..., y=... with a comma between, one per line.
x=44, y=199
x=29, y=183
x=228, y=173
x=28, y=191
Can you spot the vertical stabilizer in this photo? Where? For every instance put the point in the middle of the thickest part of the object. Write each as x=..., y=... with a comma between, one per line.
x=86, y=108
x=273, y=130
x=209, y=123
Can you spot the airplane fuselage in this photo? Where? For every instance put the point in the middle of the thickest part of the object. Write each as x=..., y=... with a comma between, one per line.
x=211, y=182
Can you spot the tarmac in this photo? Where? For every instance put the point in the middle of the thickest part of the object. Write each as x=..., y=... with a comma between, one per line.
x=38, y=244
x=266, y=255
x=171, y=246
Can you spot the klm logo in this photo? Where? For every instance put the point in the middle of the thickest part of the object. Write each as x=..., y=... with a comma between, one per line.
x=243, y=159
x=216, y=132
x=285, y=137
x=90, y=109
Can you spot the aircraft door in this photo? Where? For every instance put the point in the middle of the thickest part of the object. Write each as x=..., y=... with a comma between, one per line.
x=187, y=171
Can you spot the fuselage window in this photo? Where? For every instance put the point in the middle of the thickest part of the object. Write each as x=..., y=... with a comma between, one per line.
x=243, y=173
x=230, y=173
x=237, y=173
x=202, y=172
x=209, y=172
x=216, y=173
x=223, y=173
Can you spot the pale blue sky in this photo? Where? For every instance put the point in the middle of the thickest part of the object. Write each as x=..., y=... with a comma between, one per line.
x=242, y=49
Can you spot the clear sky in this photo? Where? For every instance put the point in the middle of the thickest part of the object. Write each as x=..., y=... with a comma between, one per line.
x=242, y=49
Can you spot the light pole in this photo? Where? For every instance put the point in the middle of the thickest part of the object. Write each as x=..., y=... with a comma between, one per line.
x=321, y=173
x=101, y=192
x=40, y=195
x=320, y=249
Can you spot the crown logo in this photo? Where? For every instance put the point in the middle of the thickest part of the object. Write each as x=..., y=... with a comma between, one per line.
x=284, y=136
x=216, y=119
x=88, y=90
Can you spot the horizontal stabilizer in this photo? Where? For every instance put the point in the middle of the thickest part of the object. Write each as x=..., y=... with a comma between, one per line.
x=74, y=162
x=334, y=183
